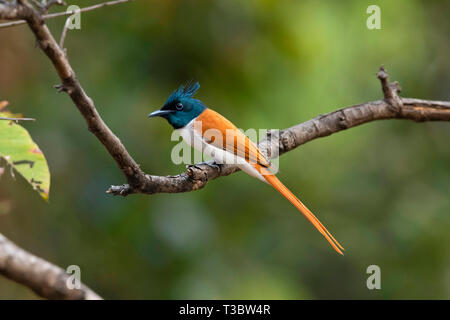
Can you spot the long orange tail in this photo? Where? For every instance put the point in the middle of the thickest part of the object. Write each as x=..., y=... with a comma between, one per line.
x=273, y=180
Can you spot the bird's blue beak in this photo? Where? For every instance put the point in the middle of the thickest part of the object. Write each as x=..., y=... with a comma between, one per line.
x=159, y=113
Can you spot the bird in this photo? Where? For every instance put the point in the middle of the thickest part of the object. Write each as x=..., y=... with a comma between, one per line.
x=217, y=137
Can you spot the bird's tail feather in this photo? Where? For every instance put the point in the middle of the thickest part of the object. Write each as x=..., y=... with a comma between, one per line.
x=273, y=180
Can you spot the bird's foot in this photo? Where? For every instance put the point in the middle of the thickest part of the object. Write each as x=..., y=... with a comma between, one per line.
x=209, y=163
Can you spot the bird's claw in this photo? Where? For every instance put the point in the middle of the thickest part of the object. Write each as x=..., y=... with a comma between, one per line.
x=211, y=164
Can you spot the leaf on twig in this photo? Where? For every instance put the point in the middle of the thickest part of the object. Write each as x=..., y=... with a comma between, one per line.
x=23, y=154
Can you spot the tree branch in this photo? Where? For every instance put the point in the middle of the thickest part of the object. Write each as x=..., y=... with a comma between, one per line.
x=197, y=176
x=54, y=15
x=10, y=11
x=72, y=87
x=44, y=278
x=18, y=119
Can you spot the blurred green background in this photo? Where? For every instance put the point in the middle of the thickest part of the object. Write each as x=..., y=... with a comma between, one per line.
x=382, y=189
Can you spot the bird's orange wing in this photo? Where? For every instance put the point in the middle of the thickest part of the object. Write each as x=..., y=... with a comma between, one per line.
x=221, y=133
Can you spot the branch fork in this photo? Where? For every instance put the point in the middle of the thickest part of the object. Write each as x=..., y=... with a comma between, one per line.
x=390, y=90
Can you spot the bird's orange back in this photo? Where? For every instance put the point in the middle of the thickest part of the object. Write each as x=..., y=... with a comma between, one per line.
x=223, y=134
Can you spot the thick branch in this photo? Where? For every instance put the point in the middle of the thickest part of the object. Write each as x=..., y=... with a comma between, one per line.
x=44, y=278
x=72, y=87
x=10, y=11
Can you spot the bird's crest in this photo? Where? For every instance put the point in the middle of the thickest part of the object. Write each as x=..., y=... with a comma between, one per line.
x=184, y=91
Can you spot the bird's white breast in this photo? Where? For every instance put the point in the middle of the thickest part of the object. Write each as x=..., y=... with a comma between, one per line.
x=196, y=140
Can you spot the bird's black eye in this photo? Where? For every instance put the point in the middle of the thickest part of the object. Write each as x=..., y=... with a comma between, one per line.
x=179, y=106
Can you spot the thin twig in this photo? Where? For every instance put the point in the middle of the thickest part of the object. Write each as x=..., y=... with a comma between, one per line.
x=43, y=6
x=63, y=34
x=18, y=119
x=64, y=13
x=51, y=3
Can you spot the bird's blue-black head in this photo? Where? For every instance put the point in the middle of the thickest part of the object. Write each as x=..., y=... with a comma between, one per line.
x=180, y=108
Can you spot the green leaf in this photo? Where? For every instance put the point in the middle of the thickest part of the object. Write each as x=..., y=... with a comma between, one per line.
x=20, y=151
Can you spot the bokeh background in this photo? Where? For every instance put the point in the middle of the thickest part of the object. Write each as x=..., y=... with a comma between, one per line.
x=382, y=189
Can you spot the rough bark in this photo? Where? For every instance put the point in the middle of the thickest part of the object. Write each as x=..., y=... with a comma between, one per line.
x=43, y=277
